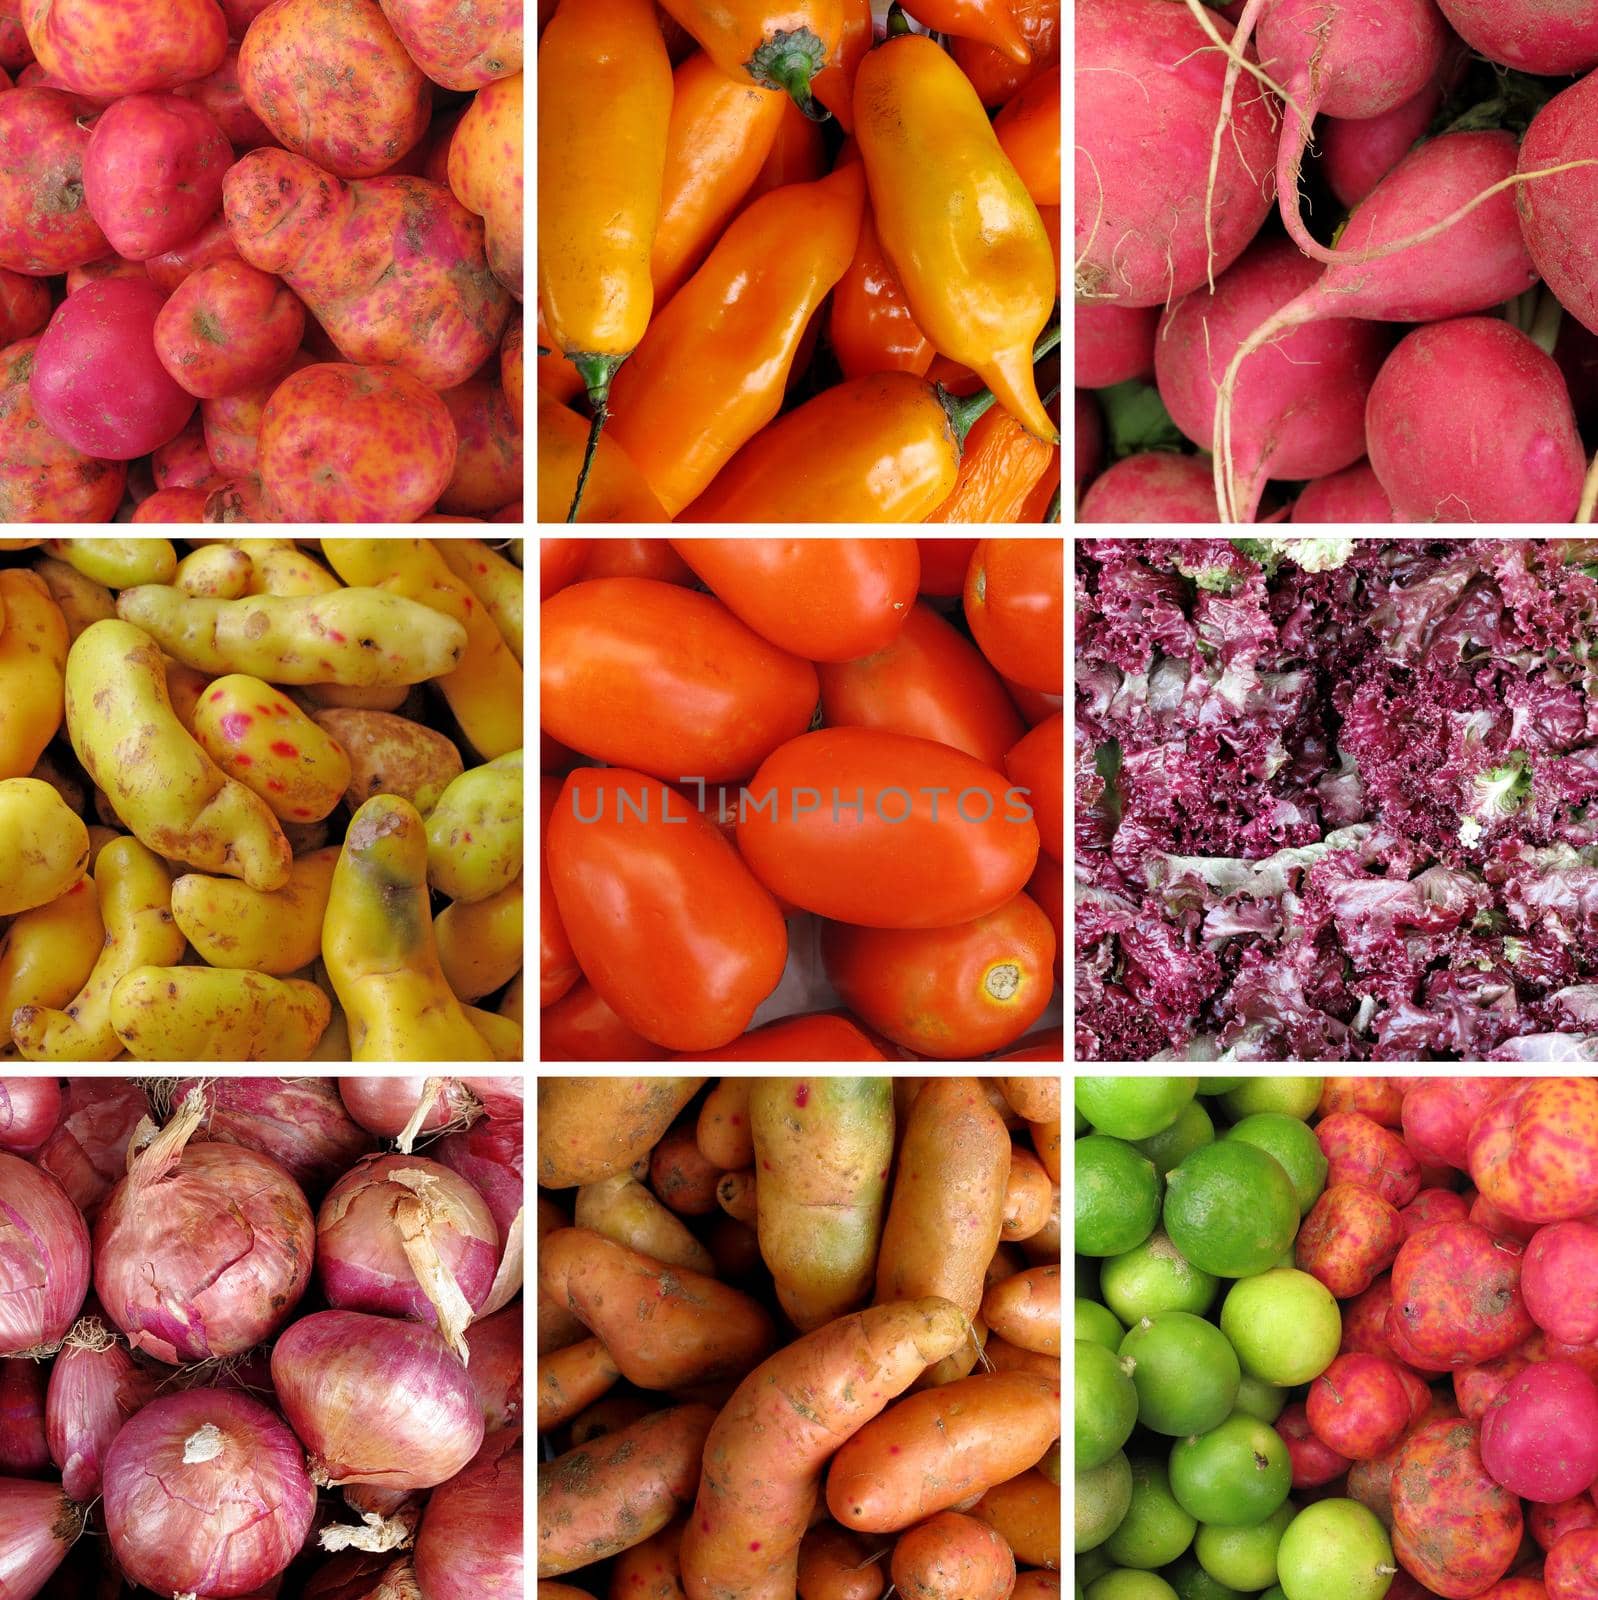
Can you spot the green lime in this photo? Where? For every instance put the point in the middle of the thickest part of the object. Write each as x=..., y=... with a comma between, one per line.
x=1124, y=1585
x=1186, y=1374
x=1192, y=1582
x=1262, y=1400
x=1155, y=1277
x=1234, y=1475
x=1102, y=1496
x=1294, y=1145
x=1336, y=1550
x=1132, y=1108
x=1173, y=1145
x=1117, y=1196
x=1274, y=1593
x=1079, y=1123
x=1231, y=1209
x=1091, y=1564
x=1220, y=1085
x=1155, y=1530
x=1293, y=1097
x=1284, y=1326
x=1245, y=1558
x=1098, y=1323
x=1106, y=1403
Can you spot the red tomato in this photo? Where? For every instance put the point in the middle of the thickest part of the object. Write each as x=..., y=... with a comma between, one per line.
x=823, y=599
x=931, y=682
x=667, y=923
x=553, y=756
x=943, y=565
x=1047, y=887
x=559, y=562
x=884, y=830
x=581, y=1027
x=666, y=680
x=636, y=558
x=1015, y=603
x=1033, y=704
x=557, y=966
x=1049, y=1045
x=822, y=1037
x=949, y=993
x=1037, y=764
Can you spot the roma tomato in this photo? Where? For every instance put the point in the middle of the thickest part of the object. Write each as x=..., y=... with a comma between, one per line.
x=1015, y=603
x=884, y=830
x=1049, y=1045
x=943, y=565
x=1033, y=704
x=1047, y=887
x=559, y=562
x=823, y=599
x=667, y=923
x=557, y=966
x=822, y=1037
x=948, y=993
x=931, y=682
x=1037, y=764
x=666, y=680
x=581, y=1027
x=636, y=558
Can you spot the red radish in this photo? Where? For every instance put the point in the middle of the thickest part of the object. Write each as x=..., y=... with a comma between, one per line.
x=1358, y=152
x=1154, y=487
x=1113, y=344
x=1149, y=84
x=1529, y=34
x=1089, y=437
x=1353, y=495
x=1556, y=212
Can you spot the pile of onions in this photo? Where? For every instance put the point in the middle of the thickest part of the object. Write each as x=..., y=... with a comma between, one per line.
x=24, y=1452
x=300, y=1122
x=364, y=1577
x=95, y=1386
x=201, y=1251
x=376, y=1400
x=406, y=1237
x=489, y=1156
x=88, y=1152
x=470, y=1546
x=206, y=1494
x=38, y=1525
x=44, y=1259
x=401, y=1108
x=30, y=1108
x=495, y=1367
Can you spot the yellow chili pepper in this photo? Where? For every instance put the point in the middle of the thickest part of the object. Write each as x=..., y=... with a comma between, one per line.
x=955, y=219
x=779, y=44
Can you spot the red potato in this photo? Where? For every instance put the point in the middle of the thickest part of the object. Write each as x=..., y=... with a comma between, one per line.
x=485, y=172
x=45, y=227
x=835, y=1564
x=681, y=1176
x=45, y=479
x=940, y=1447
x=1028, y=1196
x=953, y=1557
x=222, y=95
x=107, y=52
x=1026, y=1510
x=24, y=306
x=203, y=248
x=173, y=505
x=228, y=328
x=460, y=47
x=488, y=454
x=571, y=1379
x=623, y=1210
x=232, y=423
x=649, y=1571
x=1025, y=1309
x=725, y=1137
x=184, y=463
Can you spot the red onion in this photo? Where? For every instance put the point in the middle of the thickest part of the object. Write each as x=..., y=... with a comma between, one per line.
x=202, y=1251
x=23, y=1450
x=44, y=1259
x=37, y=1527
x=495, y=1367
x=206, y=1494
x=489, y=1156
x=88, y=1152
x=501, y=1097
x=376, y=1400
x=400, y=1108
x=353, y=1576
x=30, y=1108
x=406, y=1237
x=470, y=1546
x=95, y=1386
x=300, y=1122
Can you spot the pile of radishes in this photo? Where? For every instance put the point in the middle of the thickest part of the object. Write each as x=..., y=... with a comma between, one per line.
x=1351, y=247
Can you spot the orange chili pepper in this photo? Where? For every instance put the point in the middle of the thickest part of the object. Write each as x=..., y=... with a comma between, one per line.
x=955, y=219
x=720, y=135
x=615, y=491
x=1044, y=495
x=556, y=375
x=680, y=43
x=995, y=77
x=1050, y=217
x=798, y=155
x=950, y=375
x=1029, y=134
x=999, y=466
x=988, y=21
x=710, y=372
x=871, y=326
x=834, y=84
x=779, y=44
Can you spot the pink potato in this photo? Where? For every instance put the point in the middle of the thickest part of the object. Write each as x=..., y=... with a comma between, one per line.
x=232, y=422
x=355, y=444
x=1314, y=1461
x=97, y=381
x=173, y=505
x=24, y=306
x=1509, y=1589
x=1454, y=1528
x=184, y=462
x=108, y=51
x=1502, y=1226
x=1539, y=1435
x=1560, y=1280
x=1456, y=1297
x=1440, y=1112
x=15, y=51
x=460, y=46
x=1380, y=1099
x=488, y=461
x=45, y=224
x=510, y=368
x=1361, y=1151
x=204, y=248
x=1549, y=1524
x=393, y=268
x=1365, y=1319
x=1542, y=1347
x=240, y=14
x=240, y=499
x=1475, y=1388
x=107, y=267
x=485, y=171
x=154, y=172
x=1360, y=1406
x=1571, y=1571
x=331, y=81
x=223, y=96
x=1350, y=1235
x=42, y=478
x=1433, y=1205
x=1534, y=1153
x=228, y=327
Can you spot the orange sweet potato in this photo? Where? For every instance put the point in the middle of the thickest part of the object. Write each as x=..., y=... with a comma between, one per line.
x=835, y=1564
x=557, y=1327
x=1027, y=1196
x=1025, y=1309
x=649, y=1571
x=570, y=1379
x=592, y=1128
x=681, y=1176
x=953, y=1557
x=1026, y=1510
x=1006, y=1357
x=1035, y=1584
x=1046, y=1141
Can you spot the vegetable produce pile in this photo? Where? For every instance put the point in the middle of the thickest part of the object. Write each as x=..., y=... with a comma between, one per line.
x=798, y=272
x=743, y=856
x=798, y=1337
x=1335, y=800
x=231, y=787
x=261, y=1338
x=1337, y=1339
x=1340, y=249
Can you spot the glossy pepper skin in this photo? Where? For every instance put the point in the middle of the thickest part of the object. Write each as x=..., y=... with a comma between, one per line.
x=955, y=219
x=1029, y=134
x=779, y=44
x=556, y=375
x=721, y=133
x=798, y=155
x=604, y=102
x=871, y=327
x=994, y=75
x=710, y=372
x=987, y=21
x=875, y=449
x=615, y=491
x=999, y=468
x=834, y=84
